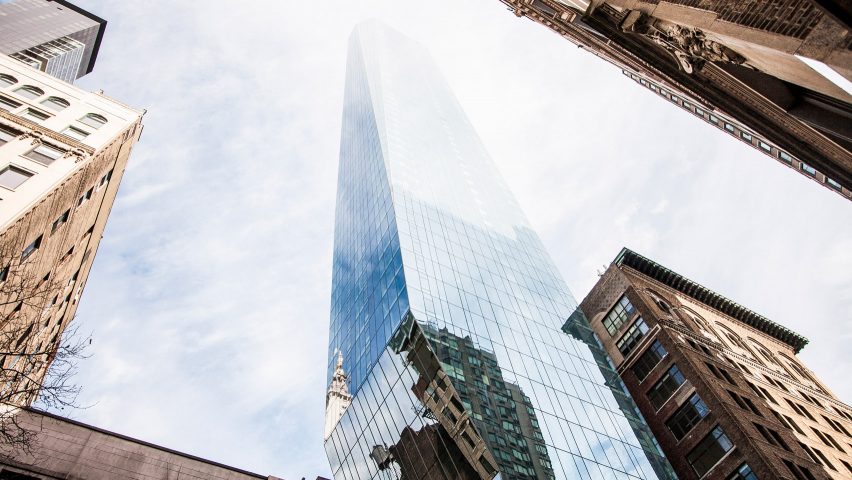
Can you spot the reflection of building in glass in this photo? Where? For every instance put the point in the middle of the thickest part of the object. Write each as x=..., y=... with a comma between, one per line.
x=428, y=238
x=500, y=410
x=337, y=399
x=720, y=385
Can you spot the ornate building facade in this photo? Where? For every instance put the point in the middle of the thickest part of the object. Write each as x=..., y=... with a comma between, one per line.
x=719, y=384
x=749, y=60
x=63, y=152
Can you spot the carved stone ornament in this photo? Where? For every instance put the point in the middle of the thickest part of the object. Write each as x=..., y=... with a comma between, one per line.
x=690, y=47
x=36, y=136
x=77, y=152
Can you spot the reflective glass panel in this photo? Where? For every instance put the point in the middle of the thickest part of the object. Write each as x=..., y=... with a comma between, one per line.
x=455, y=350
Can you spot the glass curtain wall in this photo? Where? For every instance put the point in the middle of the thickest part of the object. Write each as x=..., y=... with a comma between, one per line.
x=465, y=352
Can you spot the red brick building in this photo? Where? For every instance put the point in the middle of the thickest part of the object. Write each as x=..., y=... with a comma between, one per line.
x=720, y=385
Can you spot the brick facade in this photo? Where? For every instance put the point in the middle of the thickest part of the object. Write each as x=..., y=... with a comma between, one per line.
x=742, y=366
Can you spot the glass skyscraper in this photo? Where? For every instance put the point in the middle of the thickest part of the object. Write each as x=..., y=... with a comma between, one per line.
x=465, y=354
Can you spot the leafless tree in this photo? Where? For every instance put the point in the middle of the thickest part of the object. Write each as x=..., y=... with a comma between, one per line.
x=38, y=351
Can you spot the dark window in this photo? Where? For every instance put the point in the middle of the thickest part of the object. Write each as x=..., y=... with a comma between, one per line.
x=687, y=416
x=665, y=387
x=801, y=473
x=8, y=104
x=12, y=177
x=617, y=316
x=833, y=184
x=785, y=420
x=743, y=472
x=630, y=338
x=771, y=436
x=44, y=155
x=32, y=247
x=709, y=451
x=4, y=273
x=649, y=360
x=6, y=135
x=60, y=221
x=36, y=115
x=837, y=426
x=808, y=169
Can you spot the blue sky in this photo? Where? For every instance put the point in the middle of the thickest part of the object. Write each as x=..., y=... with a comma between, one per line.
x=209, y=299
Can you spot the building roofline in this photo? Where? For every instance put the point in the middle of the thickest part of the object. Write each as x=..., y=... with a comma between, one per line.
x=654, y=270
x=103, y=23
x=142, y=442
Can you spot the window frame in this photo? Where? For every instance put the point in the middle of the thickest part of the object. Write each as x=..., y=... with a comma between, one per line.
x=42, y=159
x=19, y=170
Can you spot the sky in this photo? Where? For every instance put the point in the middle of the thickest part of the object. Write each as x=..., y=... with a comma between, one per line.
x=208, y=304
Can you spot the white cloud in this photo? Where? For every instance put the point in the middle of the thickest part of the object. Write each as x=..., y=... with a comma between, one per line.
x=210, y=294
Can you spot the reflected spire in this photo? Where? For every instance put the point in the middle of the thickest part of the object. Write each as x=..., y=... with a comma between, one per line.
x=338, y=398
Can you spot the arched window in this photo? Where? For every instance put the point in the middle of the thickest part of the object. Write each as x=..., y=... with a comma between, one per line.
x=55, y=103
x=664, y=306
x=802, y=372
x=733, y=338
x=7, y=80
x=766, y=354
x=93, y=120
x=29, y=91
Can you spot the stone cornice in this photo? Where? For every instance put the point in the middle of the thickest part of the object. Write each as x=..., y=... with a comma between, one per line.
x=649, y=268
x=57, y=139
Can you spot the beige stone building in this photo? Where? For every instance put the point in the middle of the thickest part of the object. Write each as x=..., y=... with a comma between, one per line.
x=719, y=385
x=760, y=62
x=63, y=152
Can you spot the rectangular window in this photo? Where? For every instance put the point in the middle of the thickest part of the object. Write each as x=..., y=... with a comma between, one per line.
x=665, y=387
x=75, y=133
x=745, y=136
x=31, y=248
x=12, y=177
x=729, y=127
x=35, y=115
x=4, y=273
x=649, y=360
x=632, y=336
x=764, y=146
x=699, y=111
x=619, y=314
x=709, y=451
x=808, y=169
x=785, y=156
x=8, y=104
x=687, y=416
x=44, y=155
x=85, y=197
x=771, y=436
x=714, y=118
x=6, y=135
x=743, y=472
x=60, y=221
x=833, y=184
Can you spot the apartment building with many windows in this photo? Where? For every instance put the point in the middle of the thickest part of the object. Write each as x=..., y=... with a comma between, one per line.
x=62, y=155
x=720, y=385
